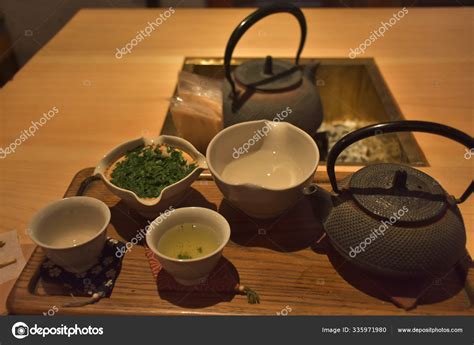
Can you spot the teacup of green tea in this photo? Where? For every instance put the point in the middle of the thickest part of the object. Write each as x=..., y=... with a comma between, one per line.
x=188, y=242
x=71, y=231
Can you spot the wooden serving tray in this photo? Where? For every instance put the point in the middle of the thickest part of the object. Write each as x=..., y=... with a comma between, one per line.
x=284, y=260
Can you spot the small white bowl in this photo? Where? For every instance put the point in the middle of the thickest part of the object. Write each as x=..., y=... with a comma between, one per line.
x=172, y=195
x=192, y=271
x=71, y=231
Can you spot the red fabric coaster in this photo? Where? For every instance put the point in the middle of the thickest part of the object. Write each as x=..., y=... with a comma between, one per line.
x=224, y=278
x=409, y=293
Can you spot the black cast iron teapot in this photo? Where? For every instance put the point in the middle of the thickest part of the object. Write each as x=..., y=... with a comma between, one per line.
x=271, y=88
x=395, y=220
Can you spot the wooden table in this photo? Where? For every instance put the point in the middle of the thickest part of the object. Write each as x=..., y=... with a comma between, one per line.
x=426, y=59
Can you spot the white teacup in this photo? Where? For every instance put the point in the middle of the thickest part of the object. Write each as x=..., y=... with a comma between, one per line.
x=71, y=231
x=192, y=271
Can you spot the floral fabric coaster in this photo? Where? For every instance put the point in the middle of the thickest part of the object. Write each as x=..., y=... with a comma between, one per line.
x=99, y=279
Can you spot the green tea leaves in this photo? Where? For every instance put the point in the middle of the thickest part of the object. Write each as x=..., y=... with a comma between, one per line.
x=147, y=171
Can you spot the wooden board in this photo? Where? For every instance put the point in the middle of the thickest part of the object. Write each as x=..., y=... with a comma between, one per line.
x=282, y=260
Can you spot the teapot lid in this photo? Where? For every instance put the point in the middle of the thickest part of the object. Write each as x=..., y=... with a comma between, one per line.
x=387, y=189
x=269, y=74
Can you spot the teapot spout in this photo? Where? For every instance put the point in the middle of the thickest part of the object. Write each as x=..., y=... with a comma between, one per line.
x=310, y=71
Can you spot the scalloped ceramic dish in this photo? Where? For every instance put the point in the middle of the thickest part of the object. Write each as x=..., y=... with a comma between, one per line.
x=171, y=195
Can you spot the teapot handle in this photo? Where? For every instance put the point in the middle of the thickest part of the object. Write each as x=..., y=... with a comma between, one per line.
x=398, y=126
x=252, y=19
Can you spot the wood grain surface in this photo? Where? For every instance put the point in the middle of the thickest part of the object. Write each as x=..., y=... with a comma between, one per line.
x=426, y=60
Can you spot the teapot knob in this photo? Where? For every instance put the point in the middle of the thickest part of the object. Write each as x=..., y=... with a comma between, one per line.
x=268, y=67
x=399, y=179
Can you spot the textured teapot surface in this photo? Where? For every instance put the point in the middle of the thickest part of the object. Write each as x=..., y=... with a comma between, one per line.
x=394, y=219
x=403, y=233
